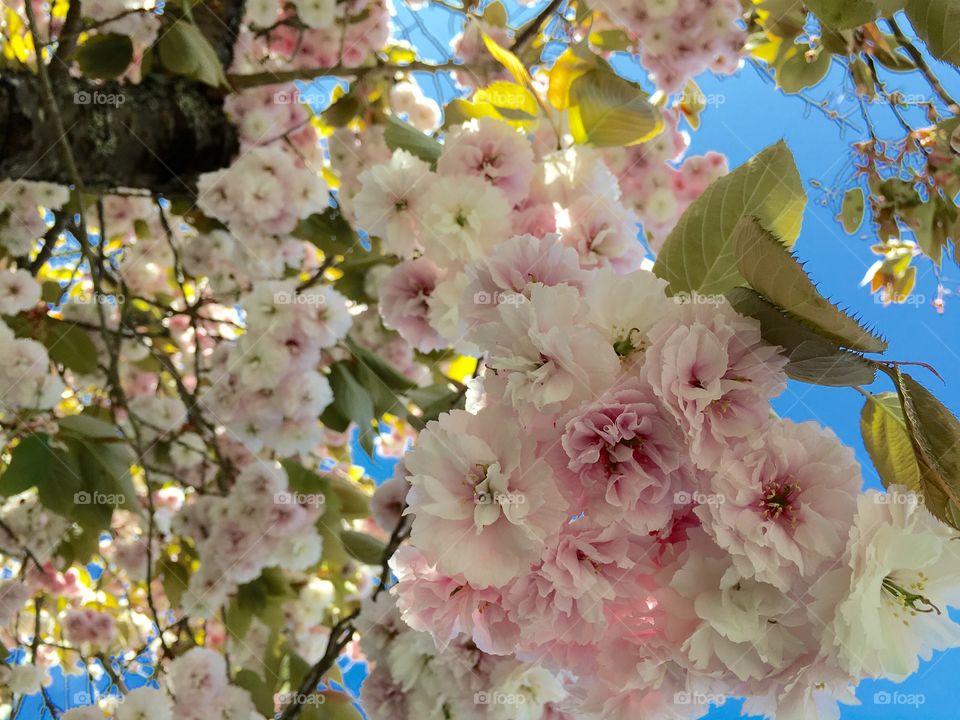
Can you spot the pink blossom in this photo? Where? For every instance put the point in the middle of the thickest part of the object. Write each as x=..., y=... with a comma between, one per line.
x=622, y=459
x=491, y=150
x=507, y=274
x=482, y=501
x=403, y=302
x=784, y=509
x=715, y=373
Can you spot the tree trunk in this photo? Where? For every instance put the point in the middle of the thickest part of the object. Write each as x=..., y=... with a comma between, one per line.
x=158, y=135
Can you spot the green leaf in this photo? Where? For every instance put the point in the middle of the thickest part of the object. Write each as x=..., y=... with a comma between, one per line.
x=363, y=547
x=843, y=14
x=852, y=210
x=698, y=254
x=608, y=111
x=262, y=598
x=114, y=460
x=887, y=441
x=33, y=464
x=890, y=58
x=238, y=616
x=797, y=73
x=328, y=231
x=88, y=426
x=433, y=401
x=350, y=401
x=175, y=578
x=94, y=502
x=935, y=435
x=78, y=545
x=773, y=272
x=261, y=692
x=51, y=292
x=812, y=358
x=185, y=51
x=104, y=56
x=611, y=40
x=354, y=504
x=69, y=345
x=304, y=480
x=400, y=136
x=391, y=377
x=937, y=22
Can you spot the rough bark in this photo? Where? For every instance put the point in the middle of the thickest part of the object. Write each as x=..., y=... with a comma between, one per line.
x=158, y=135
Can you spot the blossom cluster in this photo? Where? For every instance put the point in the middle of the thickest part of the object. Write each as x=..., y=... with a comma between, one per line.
x=310, y=34
x=270, y=390
x=659, y=181
x=617, y=501
x=679, y=39
x=26, y=379
x=22, y=207
x=450, y=225
x=410, y=676
x=259, y=524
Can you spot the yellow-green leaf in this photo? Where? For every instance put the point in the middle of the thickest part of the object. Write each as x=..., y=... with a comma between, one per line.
x=510, y=61
x=843, y=14
x=799, y=72
x=935, y=435
x=938, y=23
x=573, y=63
x=772, y=271
x=185, y=51
x=852, y=210
x=698, y=254
x=812, y=358
x=887, y=441
x=609, y=111
x=402, y=136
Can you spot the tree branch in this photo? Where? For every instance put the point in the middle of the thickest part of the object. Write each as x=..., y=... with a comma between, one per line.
x=922, y=65
x=531, y=29
x=252, y=80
